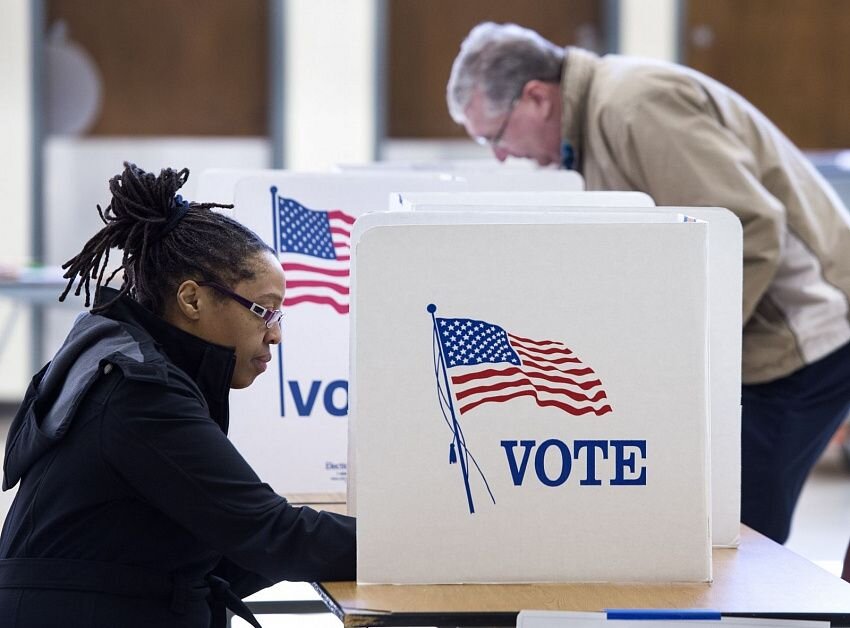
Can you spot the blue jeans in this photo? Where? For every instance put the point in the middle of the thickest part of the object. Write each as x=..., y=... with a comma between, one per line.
x=785, y=426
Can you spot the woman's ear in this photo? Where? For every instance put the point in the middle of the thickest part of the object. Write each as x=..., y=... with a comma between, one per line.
x=189, y=300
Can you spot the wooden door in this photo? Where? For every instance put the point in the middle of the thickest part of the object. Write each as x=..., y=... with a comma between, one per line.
x=193, y=67
x=424, y=37
x=790, y=58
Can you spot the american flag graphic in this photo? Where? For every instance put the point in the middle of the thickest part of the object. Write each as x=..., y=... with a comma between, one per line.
x=487, y=364
x=315, y=249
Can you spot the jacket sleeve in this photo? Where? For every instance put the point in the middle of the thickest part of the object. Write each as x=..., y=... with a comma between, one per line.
x=675, y=148
x=242, y=582
x=161, y=440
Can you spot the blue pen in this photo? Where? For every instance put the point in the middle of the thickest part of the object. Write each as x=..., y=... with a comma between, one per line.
x=661, y=613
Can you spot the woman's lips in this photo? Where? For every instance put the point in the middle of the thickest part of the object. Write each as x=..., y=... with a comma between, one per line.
x=261, y=363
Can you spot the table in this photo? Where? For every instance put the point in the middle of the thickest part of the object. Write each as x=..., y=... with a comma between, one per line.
x=759, y=579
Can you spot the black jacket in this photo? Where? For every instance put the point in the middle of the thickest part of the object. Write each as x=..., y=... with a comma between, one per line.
x=134, y=508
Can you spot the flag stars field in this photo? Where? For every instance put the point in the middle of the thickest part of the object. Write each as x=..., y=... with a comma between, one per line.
x=315, y=248
x=489, y=365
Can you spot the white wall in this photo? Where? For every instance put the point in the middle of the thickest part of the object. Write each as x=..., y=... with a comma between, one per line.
x=15, y=129
x=330, y=82
x=648, y=28
x=15, y=190
x=76, y=175
x=77, y=171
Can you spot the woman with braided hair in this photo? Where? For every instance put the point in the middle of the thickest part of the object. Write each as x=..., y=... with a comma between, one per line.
x=133, y=507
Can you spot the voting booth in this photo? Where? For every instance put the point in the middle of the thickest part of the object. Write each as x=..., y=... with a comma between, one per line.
x=516, y=200
x=219, y=184
x=530, y=396
x=441, y=165
x=291, y=424
x=725, y=288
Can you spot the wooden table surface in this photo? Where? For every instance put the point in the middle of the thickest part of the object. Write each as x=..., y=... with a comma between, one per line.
x=760, y=578
x=332, y=502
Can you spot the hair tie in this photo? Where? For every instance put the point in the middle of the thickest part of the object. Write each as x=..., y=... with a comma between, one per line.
x=181, y=207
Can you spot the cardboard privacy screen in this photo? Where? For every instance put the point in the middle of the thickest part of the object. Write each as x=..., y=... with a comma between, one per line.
x=538, y=200
x=291, y=424
x=725, y=259
x=529, y=398
x=484, y=174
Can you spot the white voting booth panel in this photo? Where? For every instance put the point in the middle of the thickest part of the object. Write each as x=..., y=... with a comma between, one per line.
x=530, y=397
x=219, y=184
x=515, y=200
x=483, y=174
x=507, y=180
x=291, y=424
x=725, y=259
x=441, y=165
x=725, y=281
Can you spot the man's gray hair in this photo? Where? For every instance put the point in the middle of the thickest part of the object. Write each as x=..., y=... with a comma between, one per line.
x=500, y=59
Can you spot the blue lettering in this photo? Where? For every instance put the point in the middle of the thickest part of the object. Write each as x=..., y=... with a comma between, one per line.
x=333, y=410
x=335, y=404
x=517, y=474
x=591, y=446
x=622, y=461
x=566, y=462
x=304, y=408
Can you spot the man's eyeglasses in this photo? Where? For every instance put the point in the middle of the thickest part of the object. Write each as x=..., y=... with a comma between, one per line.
x=493, y=141
x=271, y=317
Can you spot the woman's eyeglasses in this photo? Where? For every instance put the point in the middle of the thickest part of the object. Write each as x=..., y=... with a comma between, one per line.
x=271, y=317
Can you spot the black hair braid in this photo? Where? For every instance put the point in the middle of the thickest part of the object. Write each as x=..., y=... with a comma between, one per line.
x=164, y=242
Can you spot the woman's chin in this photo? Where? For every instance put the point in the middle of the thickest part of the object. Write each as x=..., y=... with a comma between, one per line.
x=242, y=381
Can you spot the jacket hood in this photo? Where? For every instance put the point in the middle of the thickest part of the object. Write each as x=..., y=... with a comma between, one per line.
x=126, y=336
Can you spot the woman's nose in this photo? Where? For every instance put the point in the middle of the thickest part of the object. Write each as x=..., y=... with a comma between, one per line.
x=273, y=334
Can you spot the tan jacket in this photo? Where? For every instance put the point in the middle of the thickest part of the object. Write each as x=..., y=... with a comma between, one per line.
x=685, y=139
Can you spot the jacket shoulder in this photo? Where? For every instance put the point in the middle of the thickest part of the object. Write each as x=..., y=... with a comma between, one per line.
x=94, y=346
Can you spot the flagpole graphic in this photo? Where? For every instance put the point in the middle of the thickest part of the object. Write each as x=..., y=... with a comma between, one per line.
x=314, y=247
x=491, y=365
x=457, y=445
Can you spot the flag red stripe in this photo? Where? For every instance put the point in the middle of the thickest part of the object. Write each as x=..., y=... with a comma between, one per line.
x=542, y=343
x=531, y=356
x=555, y=351
x=540, y=402
x=341, y=308
x=524, y=381
x=543, y=367
x=339, y=289
x=340, y=231
x=336, y=214
x=315, y=269
x=469, y=377
x=538, y=349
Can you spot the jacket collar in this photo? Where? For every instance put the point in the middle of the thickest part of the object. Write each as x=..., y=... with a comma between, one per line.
x=576, y=78
x=141, y=345
x=208, y=364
